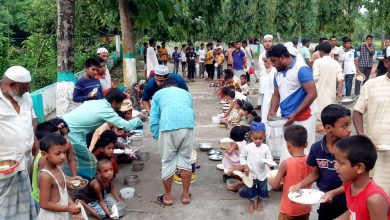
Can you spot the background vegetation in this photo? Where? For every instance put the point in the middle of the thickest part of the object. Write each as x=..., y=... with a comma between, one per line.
x=28, y=27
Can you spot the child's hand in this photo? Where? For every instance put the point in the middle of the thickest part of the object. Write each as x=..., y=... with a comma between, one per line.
x=246, y=170
x=73, y=209
x=295, y=188
x=327, y=197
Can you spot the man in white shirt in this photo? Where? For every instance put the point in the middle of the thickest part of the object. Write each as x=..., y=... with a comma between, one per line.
x=374, y=100
x=326, y=73
x=268, y=42
x=348, y=57
x=17, y=139
x=151, y=58
x=249, y=60
x=202, y=55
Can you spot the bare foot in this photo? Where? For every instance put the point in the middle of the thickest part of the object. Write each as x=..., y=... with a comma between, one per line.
x=259, y=206
x=251, y=207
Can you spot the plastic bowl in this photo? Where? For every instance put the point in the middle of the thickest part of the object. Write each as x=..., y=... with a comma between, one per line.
x=216, y=119
x=121, y=208
x=127, y=193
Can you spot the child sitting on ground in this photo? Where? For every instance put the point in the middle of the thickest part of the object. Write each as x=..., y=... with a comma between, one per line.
x=246, y=114
x=251, y=161
x=244, y=85
x=355, y=157
x=230, y=117
x=292, y=171
x=336, y=120
x=104, y=149
x=231, y=160
x=101, y=194
x=54, y=201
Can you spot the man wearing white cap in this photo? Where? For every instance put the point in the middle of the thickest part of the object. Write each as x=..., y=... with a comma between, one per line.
x=374, y=100
x=103, y=74
x=151, y=57
x=16, y=143
x=156, y=83
x=267, y=44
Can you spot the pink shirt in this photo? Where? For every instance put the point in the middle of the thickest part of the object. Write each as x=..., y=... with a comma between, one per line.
x=297, y=170
x=357, y=205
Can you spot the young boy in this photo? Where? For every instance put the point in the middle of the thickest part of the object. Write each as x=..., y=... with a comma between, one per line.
x=220, y=58
x=191, y=61
x=292, y=171
x=244, y=85
x=366, y=200
x=175, y=57
x=183, y=59
x=350, y=65
x=101, y=194
x=104, y=76
x=336, y=120
x=251, y=161
x=54, y=201
x=88, y=87
x=104, y=149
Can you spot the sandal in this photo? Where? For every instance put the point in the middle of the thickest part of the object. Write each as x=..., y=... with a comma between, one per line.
x=160, y=199
x=187, y=202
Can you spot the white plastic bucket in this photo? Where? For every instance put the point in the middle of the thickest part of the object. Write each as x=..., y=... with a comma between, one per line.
x=127, y=193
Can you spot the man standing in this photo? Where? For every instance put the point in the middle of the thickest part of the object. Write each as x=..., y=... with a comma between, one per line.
x=163, y=54
x=202, y=56
x=376, y=104
x=334, y=53
x=156, y=83
x=326, y=72
x=220, y=58
x=304, y=50
x=103, y=53
x=294, y=92
x=239, y=60
x=172, y=123
x=249, y=60
x=151, y=58
x=367, y=52
x=17, y=138
x=268, y=42
x=191, y=63
x=209, y=63
x=104, y=78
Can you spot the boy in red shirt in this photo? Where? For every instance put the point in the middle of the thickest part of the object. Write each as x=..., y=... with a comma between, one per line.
x=355, y=157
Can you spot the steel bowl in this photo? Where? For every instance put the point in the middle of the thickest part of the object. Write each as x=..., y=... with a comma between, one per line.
x=138, y=167
x=205, y=146
x=212, y=152
x=130, y=180
x=143, y=156
x=216, y=157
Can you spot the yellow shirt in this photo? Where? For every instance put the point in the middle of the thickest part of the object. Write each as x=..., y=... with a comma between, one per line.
x=220, y=59
x=375, y=100
x=164, y=54
x=209, y=57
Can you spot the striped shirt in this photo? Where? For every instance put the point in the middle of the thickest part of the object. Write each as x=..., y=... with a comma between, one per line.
x=376, y=103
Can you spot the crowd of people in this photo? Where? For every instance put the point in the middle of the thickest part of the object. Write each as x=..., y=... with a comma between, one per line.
x=295, y=85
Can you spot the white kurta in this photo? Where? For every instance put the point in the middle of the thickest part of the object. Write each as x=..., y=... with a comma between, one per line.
x=151, y=60
x=326, y=73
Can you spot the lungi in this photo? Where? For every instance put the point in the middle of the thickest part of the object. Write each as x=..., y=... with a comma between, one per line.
x=175, y=149
x=15, y=198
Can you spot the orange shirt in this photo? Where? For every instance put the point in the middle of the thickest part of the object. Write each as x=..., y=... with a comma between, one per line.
x=297, y=170
x=164, y=54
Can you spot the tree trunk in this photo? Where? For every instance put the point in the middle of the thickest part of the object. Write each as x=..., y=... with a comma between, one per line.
x=65, y=55
x=128, y=43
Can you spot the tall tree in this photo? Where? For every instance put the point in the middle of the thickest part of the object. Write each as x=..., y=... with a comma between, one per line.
x=65, y=54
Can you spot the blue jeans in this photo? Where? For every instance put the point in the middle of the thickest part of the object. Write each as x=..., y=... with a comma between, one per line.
x=259, y=189
x=348, y=83
x=191, y=70
x=176, y=67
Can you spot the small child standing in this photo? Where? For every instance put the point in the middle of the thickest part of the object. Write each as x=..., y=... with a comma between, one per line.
x=292, y=171
x=191, y=61
x=244, y=85
x=232, y=155
x=175, y=57
x=366, y=200
x=336, y=120
x=251, y=160
x=54, y=201
x=183, y=58
x=101, y=194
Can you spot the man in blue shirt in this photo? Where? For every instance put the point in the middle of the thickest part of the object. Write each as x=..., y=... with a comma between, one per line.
x=88, y=87
x=156, y=83
x=172, y=122
x=239, y=60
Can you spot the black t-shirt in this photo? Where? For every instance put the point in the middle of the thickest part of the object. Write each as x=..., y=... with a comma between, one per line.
x=191, y=57
x=382, y=70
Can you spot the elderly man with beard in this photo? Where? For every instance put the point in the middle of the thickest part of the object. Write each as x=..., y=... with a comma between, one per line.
x=16, y=142
x=157, y=82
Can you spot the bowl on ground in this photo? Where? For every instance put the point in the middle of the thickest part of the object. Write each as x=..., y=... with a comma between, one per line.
x=138, y=167
x=230, y=183
x=131, y=180
x=204, y=146
x=127, y=193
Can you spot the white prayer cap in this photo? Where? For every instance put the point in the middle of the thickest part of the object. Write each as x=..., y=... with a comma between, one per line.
x=292, y=50
x=102, y=50
x=288, y=44
x=161, y=70
x=268, y=36
x=18, y=74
